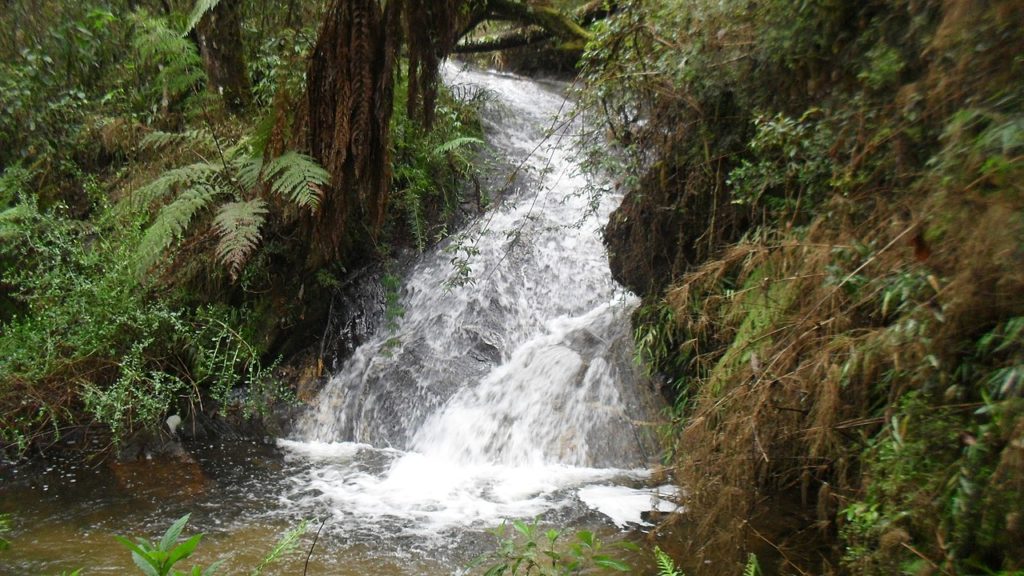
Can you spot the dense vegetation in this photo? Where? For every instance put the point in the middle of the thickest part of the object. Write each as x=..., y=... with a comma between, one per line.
x=154, y=210
x=825, y=216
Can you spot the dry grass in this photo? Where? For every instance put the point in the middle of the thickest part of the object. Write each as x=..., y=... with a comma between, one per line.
x=789, y=417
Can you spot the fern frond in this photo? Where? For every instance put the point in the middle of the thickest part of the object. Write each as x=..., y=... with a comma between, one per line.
x=248, y=170
x=158, y=44
x=666, y=566
x=299, y=178
x=455, y=144
x=158, y=140
x=243, y=165
x=172, y=221
x=198, y=11
x=163, y=185
x=176, y=56
x=238, y=224
x=752, y=568
x=179, y=78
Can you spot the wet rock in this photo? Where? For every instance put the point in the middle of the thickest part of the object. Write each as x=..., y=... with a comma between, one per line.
x=149, y=445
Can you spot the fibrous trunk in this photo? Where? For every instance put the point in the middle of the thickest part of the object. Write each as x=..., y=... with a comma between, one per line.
x=219, y=34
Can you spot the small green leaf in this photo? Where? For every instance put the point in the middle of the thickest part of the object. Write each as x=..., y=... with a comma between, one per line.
x=496, y=570
x=145, y=564
x=611, y=563
x=522, y=528
x=171, y=536
x=131, y=546
x=184, y=550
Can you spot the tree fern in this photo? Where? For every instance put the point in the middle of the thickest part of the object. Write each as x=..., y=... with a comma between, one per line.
x=173, y=179
x=238, y=224
x=159, y=44
x=198, y=11
x=176, y=56
x=666, y=566
x=298, y=178
x=239, y=177
x=455, y=144
x=246, y=167
x=172, y=221
x=159, y=140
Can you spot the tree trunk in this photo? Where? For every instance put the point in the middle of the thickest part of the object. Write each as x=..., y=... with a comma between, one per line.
x=219, y=34
x=350, y=100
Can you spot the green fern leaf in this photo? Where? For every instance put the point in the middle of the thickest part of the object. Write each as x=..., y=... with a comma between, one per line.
x=238, y=224
x=158, y=44
x=198, y=11
x=455, y=144
x=752, y=568
x=172, y=222
x=299, y=178
x=176, y=56
x=666, y=566
x=246, y=167
x=176, y=178
x=159, y=140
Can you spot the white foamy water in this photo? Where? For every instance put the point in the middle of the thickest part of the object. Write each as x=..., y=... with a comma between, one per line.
x=502, y=398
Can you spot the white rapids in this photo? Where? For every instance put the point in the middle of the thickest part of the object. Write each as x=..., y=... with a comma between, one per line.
x=508, y=397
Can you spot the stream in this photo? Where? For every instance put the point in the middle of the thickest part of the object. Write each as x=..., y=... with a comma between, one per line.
x=514, y=396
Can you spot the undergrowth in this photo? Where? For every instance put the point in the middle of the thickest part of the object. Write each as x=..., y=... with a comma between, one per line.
x=824, y=217
x=155, y=248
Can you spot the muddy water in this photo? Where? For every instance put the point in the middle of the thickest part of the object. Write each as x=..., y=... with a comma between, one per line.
x=66, y=513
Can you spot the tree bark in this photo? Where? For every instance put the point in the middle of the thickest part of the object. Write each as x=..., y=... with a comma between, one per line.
x=219, y=34
x=349, y=103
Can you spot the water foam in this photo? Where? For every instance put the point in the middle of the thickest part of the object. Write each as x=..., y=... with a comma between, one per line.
x=502, y=398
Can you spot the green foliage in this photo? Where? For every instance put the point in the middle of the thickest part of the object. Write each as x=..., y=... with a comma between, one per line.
x=872, y=150
x=198, y=11
x=238, y=224
x=657, y=340
x=666, y=566
x=173, y=220
x=288, y=542
x=196, y=140
x=139, y=394
x=5, y=526
x=431, y=167
x=981, y=149
x=50, y=74
x=172, y=55
x=791, y=170
x=523, y=549
x=84, y=324
x=752, y=567
x=159, y=558
x=298, y=178
x=240, y=181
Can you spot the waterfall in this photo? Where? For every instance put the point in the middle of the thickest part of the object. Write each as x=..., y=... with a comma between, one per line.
x=502, y=397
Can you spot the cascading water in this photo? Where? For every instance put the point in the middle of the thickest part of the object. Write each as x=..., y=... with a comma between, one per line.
x=502, y=398
x=513, y=397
